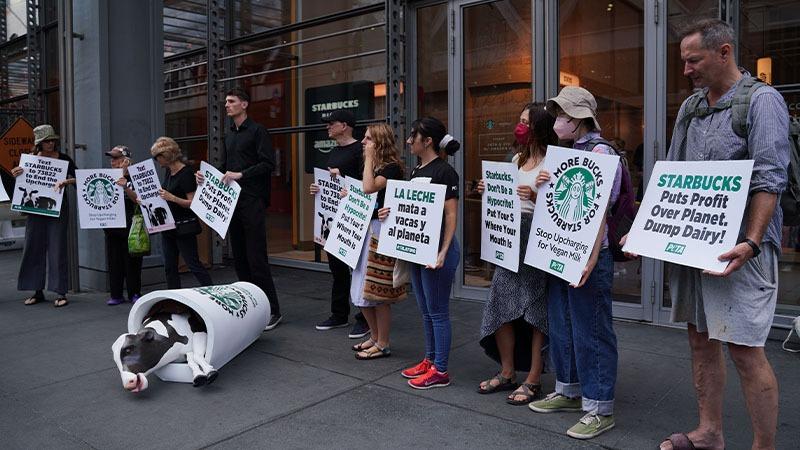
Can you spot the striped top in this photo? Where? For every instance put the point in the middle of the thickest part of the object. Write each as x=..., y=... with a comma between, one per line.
x=711, y=138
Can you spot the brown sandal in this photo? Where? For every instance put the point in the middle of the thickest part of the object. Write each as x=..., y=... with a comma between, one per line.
x=361, y=346
x=530, y=390
x=32, y=300
x=60, y=301
x=373, y=353
x=504, y=384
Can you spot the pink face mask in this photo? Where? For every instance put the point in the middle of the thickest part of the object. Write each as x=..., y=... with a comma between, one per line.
x=565, y=128
x=522, y=134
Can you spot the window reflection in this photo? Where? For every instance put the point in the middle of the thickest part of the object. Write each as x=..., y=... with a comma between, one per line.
x=601, y=48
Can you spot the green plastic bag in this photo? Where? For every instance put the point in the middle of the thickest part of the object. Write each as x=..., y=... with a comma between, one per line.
x=138, y=239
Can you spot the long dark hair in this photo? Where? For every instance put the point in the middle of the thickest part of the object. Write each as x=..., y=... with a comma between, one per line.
x=541, y=133
x=431, y=127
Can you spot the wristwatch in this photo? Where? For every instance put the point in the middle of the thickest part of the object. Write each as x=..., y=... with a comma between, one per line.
x=754, y=246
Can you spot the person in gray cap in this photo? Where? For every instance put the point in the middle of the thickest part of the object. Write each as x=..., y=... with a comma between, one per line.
x=123, y=268
x=46, y=237
x=583, y=346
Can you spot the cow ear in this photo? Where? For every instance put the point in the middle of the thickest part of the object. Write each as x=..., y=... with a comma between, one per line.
x=148, y=335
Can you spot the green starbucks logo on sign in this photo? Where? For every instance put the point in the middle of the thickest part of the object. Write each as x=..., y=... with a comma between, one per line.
x=100, y=192
x=574, y=194
x=230, y=298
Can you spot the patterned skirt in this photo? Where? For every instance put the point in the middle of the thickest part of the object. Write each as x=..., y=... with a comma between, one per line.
x=371, y=284
x=517, y=298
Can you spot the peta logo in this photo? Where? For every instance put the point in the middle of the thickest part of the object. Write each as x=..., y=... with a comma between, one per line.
x=675, y=248
x=558, y=266
x=499, y=255
x=406, y=249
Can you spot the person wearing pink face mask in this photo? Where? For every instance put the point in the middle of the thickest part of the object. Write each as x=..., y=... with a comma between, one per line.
x=514, y=325
x=583, y=345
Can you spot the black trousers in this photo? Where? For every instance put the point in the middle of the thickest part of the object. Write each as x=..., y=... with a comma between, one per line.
x=248, y=235
x=122, y=267
x=340, y=293
x=45, y=253
x=186, y=246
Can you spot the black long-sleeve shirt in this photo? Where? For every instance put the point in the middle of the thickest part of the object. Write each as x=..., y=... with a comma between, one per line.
x=248, y=149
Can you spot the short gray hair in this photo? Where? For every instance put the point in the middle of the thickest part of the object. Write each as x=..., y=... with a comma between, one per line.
x=714, y=33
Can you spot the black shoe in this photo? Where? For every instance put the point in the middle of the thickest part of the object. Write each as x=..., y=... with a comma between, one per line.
x=360, y=329
x=332, y=322
x=274, y=320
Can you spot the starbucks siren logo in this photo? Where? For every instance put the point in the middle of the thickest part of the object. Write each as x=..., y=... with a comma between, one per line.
x=575, y=193
x=99, y=192
x=230, y=298
x=573, y=199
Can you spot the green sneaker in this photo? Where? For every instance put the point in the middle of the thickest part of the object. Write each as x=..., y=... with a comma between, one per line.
x=556, y=403
x=591, y=425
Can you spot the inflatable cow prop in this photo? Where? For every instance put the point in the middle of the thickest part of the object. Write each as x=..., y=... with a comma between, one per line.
x=186, y=335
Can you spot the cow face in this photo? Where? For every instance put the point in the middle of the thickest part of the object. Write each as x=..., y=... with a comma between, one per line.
x=137, y=355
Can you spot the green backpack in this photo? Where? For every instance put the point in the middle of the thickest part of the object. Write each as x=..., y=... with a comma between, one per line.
x=138, y=239
x=740, y=105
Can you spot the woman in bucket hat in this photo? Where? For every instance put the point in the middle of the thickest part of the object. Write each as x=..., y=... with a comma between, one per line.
x=583, y=346
x=46, y=237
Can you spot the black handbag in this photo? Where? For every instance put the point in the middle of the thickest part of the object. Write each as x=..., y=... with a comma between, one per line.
x=188, y=227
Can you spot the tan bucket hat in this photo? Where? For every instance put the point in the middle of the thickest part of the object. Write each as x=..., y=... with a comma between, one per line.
x=576, y=102
x=44, y=133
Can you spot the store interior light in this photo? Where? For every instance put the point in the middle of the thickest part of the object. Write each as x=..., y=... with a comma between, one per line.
x=764, y=69
x=380, y=89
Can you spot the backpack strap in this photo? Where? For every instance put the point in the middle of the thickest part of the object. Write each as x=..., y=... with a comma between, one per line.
x=740, y=105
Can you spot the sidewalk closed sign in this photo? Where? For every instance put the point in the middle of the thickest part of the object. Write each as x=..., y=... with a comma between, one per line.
x=101, y=201
x=412, y=230
x=15, y=141
x=34, y=191
x=157, y=216
x=569, y=210
x=214, y=202
x=500, y=215
x=350, y=227
x=326, y=202
x=691, y=212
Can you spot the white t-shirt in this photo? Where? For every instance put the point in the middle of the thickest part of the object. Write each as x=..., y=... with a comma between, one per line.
x=528, y=178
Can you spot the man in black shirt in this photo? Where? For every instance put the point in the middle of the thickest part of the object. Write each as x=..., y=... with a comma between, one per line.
x=248, y=158
x=344, y=160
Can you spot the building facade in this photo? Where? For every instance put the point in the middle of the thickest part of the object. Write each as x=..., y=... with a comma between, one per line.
x=142, y=72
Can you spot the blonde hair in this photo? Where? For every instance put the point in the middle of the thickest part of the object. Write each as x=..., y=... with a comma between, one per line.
x=385, y=146
x=168, y=147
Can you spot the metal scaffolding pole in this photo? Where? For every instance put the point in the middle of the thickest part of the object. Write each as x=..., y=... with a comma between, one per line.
x=34, y=57
x=395, y=73
x=67, y=103
x=214, y=38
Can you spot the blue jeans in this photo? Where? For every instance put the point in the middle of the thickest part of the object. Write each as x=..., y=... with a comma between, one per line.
x=432, y=290
x=583, y=345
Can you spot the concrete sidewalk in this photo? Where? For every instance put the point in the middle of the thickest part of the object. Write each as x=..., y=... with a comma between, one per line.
x=301, y=388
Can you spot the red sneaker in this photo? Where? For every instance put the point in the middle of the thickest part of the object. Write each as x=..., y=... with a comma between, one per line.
x=418, y=370
x=432, y=379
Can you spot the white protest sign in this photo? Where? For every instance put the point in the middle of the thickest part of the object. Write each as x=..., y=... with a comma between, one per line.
x=157, y=216
x=101, y=201
x=351, y=224
x=34, y=191
x=500, y=215
x=3, y=194
x=691, y=212
x=326, y=202
x=214, y=202
x=412, y=230
x=569, y=210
